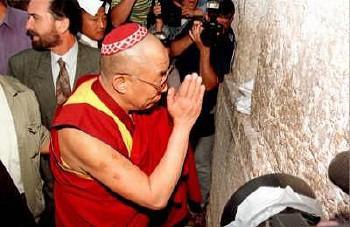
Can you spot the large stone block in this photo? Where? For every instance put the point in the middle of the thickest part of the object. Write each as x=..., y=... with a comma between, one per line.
x=298, y=53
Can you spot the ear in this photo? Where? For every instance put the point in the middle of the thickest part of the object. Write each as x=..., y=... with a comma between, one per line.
x=119, y=84
x=62, y=25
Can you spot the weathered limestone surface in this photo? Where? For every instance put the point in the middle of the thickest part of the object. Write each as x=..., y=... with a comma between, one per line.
x=298, y=53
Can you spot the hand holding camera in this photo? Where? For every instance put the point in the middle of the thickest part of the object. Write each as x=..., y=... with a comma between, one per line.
x=195, y=34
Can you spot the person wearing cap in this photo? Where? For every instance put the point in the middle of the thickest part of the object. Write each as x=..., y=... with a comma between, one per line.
x=94, y=22
x=52, y=68
x=120, y=156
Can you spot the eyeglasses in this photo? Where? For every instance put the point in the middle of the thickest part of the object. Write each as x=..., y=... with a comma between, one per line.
x=158, y=88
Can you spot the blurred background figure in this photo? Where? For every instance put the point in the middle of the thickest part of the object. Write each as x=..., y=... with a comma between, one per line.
x=93, y=22
x=169, y=17
x=206, y=46
x=13, y=37
x=166, y=21
x=130, y=11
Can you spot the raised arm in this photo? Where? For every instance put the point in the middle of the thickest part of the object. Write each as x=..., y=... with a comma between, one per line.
x=206, y=70
x=178, y=46
x=121, y=11
x=89, y=155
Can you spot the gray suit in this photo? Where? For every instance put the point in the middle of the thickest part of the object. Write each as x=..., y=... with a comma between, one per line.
x=30, y=135
x=33, y=68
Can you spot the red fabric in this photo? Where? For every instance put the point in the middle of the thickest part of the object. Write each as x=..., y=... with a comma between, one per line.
x=84, y=202
x=122, y=38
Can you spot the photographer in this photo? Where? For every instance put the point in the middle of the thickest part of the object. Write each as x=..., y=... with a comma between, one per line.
x=211, y=59
x=169, y=17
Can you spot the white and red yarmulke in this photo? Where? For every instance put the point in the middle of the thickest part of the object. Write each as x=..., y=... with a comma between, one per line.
x=123, y=37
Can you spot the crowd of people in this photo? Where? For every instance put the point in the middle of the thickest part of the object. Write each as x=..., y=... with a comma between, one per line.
x=108, y=109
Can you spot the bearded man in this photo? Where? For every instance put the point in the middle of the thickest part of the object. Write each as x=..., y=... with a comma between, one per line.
x=54, y=65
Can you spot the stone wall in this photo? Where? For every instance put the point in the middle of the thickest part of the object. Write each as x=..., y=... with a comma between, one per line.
x=298, y=53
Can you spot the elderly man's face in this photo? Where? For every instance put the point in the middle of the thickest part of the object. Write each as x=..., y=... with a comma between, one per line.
x=41, y=25
x=94, y=27
x=150, y=84
x=148, y=76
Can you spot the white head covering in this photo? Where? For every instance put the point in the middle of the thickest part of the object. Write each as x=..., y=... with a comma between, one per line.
x=92, y=6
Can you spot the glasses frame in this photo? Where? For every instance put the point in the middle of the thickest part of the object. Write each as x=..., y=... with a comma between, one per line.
x=158, y=88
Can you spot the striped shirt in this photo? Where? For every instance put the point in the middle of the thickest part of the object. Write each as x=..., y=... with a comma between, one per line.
x=139, y=11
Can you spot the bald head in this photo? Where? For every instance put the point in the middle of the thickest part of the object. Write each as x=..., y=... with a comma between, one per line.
x=141, y=56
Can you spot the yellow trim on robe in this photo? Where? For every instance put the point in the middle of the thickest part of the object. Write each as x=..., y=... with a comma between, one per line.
x=84, y=94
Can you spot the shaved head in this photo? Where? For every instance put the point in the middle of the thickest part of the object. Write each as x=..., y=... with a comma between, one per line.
x=142, y=55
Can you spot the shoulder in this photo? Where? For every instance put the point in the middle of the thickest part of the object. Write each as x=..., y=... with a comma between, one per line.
x=27, y=54
x=87, y=50
x=17, y=15
x=12, y=84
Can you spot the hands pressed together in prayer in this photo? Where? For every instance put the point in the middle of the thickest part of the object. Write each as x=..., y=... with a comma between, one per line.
x=185, y=104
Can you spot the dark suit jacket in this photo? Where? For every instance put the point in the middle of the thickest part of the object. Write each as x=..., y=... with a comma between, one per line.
x=33, y=68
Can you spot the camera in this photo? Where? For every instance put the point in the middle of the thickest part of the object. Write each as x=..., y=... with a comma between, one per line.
x=211, y=28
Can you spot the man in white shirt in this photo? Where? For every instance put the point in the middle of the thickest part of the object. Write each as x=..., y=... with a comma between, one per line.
x=22, y=136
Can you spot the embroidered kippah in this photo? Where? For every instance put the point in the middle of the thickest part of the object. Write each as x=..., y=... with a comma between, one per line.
x=123, y=37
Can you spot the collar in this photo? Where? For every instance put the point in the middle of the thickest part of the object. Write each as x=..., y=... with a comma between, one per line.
x=113, y=106
x=86, y=40
x=11, y=86
x=69, y=57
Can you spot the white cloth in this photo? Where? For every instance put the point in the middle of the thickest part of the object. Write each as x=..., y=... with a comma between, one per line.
x=87, y=41
x=9, y=155
x=70, y=58
x=265, y=202
x=243, y=102
x=92, y=6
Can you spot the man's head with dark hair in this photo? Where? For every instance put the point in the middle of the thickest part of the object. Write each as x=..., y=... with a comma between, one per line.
x=53, y=24
x=227, y=8
x=226, y=13
x=93, y=23
x=67, y=9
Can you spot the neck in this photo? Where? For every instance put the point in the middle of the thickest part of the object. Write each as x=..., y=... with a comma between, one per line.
x=3, y=10
x=68, y=41
x=116, y=97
